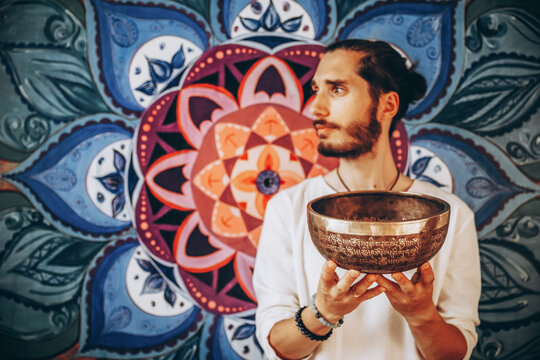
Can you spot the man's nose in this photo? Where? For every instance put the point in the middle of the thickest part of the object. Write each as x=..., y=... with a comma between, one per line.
x=319, y=107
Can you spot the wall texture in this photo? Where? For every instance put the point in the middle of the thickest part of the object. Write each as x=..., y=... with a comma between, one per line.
x=141, y=140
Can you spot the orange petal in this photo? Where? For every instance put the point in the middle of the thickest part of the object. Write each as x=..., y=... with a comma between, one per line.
x=231, y=139
x=245, y=181
x=268, y=160
x=260, y=202
x=270, y=125
x=305, y=143
x=289, y=178
x=212, y=180
x=227, y=221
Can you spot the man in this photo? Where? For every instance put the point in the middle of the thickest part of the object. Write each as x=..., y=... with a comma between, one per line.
x=307, y=306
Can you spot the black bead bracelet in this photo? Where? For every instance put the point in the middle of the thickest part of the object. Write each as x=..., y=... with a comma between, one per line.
x=304, y=330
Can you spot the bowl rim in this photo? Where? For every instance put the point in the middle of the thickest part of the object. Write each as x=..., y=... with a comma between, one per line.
x=446, y=206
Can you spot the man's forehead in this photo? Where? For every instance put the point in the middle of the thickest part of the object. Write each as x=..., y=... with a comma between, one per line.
x=338, y=66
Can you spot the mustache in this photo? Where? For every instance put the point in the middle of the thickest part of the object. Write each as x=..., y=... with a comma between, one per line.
x=324, y=123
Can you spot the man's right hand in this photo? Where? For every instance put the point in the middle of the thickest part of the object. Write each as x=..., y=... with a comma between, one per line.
x=337, y=297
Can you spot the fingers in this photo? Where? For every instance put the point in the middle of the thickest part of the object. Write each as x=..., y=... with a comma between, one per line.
x=371, y=293
x=328, y=275
x=427, y=273
x=362, y=286
x=387, y=284
x=404, y=284
x=416, y=277
x=423, y=278
x=345, y=283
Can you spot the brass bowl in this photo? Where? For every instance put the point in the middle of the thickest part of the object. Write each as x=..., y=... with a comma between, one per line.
x=378, y=232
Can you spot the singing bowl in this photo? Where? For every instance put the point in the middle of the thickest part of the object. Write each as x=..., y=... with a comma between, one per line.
x=378, y=232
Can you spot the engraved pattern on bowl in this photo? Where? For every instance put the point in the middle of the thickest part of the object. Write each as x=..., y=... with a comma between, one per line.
x=378, y=232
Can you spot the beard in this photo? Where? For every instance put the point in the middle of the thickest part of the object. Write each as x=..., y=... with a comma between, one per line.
x=364, y=138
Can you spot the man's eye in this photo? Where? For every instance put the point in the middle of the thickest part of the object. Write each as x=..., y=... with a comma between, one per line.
x=338, y=90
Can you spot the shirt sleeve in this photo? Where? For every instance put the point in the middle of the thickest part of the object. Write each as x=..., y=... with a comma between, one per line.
x=273, y=277
x=458, y=302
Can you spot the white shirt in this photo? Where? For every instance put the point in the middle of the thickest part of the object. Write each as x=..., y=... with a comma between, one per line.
x=288, y=268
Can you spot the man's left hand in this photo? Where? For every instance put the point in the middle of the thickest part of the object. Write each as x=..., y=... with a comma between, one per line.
x=411, y=298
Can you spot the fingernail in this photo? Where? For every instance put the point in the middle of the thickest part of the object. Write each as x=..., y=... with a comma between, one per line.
x=425, y=266
x=396, y=276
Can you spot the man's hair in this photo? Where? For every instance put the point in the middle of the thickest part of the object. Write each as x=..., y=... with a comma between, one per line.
x=385, y=70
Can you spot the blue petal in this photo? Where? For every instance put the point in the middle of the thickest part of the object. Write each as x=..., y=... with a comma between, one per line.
x=119, y=162
x=118, y=204
x=124, y=31
x=146, y=265
x=148, y=88
x=250, y=24
x=112, y=182
x=178, y=58
x=292, y=25
x=119, y=319
x=270, y=19
x=170, y=296
x=61, y=179
x=421, y=165
x=480, y=187
x=430, y=180
x=160, y=70
x=243, y=332
x=153, y=284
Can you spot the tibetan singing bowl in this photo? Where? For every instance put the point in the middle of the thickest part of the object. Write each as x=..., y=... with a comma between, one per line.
x=378, y=232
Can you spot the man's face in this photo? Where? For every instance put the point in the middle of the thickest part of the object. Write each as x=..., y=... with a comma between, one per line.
x=345, y=115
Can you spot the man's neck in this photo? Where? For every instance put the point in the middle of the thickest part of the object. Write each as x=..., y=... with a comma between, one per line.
x=367, y=172
x=375, y=170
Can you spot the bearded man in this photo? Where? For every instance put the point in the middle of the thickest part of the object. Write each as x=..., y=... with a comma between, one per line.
x=309, y=307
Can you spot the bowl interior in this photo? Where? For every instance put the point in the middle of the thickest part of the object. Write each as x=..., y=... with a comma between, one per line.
x=378, y=206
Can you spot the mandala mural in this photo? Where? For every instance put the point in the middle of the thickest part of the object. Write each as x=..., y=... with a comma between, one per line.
x=141, y=140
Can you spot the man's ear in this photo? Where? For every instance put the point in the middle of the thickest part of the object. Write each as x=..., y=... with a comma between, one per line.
x=388, y=105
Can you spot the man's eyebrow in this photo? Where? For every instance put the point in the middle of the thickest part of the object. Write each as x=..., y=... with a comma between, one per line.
x=331, y=82
x=336, y=82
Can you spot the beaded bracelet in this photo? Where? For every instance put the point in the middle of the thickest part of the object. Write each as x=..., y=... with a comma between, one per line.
x=304, y=330
x=321, y=318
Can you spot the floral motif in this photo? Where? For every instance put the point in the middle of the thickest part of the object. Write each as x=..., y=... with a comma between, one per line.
x=241, y=153
x=114, y=183
x=310, y=19
x=78, y=178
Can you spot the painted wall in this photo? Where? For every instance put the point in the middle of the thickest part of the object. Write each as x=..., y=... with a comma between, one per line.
x=140, y=142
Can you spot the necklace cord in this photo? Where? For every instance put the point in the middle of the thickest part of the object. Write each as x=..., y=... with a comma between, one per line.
x=346, y=187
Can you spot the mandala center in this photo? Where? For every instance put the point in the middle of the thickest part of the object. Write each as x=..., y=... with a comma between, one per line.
x=268, y=182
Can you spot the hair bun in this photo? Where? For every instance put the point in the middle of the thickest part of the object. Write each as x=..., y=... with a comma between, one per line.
x=416, y=84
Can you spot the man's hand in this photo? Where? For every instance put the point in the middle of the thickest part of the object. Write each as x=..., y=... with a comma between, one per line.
x=435, y=338
x=337, y=297
x=411, y=298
